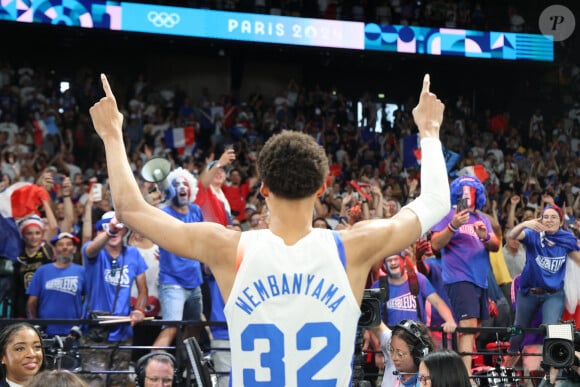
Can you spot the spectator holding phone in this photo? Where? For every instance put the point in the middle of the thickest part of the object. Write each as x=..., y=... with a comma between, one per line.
x=465, y=237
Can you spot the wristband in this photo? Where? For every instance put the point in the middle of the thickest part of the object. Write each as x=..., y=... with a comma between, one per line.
x=485, y=240
x=451, y=228
x=139, y=310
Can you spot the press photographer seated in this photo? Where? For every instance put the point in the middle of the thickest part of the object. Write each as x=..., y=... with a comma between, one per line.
x=403, y=347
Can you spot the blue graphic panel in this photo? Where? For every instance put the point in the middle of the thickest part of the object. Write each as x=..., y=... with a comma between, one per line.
x=74, y=13
x=457, y=42
x=200, y=23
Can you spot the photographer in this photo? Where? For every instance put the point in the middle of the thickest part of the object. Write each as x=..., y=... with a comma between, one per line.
x=567, y=377
x=403, y=348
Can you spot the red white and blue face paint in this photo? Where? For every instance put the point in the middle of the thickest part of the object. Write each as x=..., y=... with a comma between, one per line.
x=394, y=266
x=182, y=192
x=470, y=195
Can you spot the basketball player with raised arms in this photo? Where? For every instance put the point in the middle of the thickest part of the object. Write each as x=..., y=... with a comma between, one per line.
x=292, y=292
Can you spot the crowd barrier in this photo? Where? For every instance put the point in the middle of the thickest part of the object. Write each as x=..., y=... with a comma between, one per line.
x=487, y=370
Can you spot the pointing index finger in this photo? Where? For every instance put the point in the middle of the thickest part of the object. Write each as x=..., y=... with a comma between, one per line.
x=426, y=83
x=106, y=86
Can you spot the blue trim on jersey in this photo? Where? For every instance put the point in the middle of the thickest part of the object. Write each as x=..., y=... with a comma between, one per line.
x=342, y=257
x=340, y=247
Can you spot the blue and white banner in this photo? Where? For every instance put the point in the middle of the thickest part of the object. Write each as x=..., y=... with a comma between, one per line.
x=272, y=29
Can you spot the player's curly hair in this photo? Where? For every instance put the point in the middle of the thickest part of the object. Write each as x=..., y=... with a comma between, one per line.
x=292, y=165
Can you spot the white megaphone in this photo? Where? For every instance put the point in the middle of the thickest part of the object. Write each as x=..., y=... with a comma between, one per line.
x=156, y=171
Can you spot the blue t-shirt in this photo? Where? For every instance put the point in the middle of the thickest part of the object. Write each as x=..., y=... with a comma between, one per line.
x=545, y=265
x=177, y=270
x=103, y=280
x=217, y=310
x=465, y=257
x=59, y=292
x=401, y=304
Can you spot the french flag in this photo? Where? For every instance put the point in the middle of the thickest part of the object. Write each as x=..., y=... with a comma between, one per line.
x=17, y=201
x=182, y=139
x=478, y=171
x=42, y=128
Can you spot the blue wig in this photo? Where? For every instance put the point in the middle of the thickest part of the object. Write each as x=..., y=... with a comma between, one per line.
x=456, y=189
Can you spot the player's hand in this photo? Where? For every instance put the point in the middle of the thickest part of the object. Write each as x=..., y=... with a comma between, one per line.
x=428, y=114
x=107, y=119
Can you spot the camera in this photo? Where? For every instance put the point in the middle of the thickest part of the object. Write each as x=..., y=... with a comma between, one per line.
x=62, y=352
x=560, y=342
x=371, y=307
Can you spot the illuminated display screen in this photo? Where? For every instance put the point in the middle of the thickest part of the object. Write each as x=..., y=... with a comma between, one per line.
x=466, y=43
x=201, y=23
x=243, y=26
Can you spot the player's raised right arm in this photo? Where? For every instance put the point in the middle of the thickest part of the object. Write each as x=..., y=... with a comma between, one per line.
x=186, y=240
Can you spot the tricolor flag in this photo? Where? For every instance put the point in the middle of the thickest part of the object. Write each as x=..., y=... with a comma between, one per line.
x=182, y=139
x=42, y=128
x=475, y=170
x=17, y=201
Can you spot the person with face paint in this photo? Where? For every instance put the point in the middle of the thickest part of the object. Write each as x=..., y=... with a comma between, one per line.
x=402, y=304
x=542, y=280
x=180, y=279
x=465, y=237
x=57, y=289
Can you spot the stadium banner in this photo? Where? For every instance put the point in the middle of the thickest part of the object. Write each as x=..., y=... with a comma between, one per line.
x=457, y=42
x=273, y=29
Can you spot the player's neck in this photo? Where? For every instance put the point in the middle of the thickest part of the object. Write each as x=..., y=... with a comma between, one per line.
x=291, y=220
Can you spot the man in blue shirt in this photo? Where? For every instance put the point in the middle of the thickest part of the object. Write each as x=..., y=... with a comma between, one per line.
x=57, y=289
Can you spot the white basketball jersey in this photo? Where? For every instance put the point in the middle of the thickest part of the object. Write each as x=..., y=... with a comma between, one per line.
x=291, y=313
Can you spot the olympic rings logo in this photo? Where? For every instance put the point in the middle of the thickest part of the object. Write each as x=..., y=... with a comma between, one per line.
x=163, y=19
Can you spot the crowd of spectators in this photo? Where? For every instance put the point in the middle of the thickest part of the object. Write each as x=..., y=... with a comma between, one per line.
x=45, y=128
